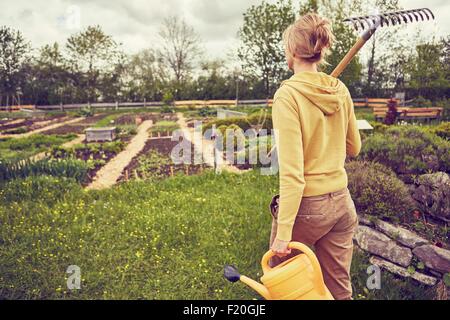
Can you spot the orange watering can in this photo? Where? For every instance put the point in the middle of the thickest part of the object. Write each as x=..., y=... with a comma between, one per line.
x=299, y=278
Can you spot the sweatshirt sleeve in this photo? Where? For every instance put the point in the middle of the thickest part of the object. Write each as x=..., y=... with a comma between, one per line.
x=353, y=141
x=288, y=137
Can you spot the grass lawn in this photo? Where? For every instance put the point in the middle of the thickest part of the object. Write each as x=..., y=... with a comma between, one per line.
x=150, y=240
x=12, y=149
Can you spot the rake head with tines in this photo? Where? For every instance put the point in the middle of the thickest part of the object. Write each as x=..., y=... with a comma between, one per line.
x=369, y=24
x=391, y=18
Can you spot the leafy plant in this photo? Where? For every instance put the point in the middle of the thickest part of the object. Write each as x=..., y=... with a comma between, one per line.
x=408, y=150
x=69, y=168
x=377, y=191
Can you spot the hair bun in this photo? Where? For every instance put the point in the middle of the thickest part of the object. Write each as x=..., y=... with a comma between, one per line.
x=309, y=37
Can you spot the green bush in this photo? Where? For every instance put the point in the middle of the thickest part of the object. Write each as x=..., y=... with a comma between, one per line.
x=442, y=130
x=243, y=123
x=408, y=150
x=421, y=102
x=377, y=191
x=207, y=112
x=85, y=112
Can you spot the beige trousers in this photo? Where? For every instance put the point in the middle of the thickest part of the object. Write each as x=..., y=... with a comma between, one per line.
x=327, y=223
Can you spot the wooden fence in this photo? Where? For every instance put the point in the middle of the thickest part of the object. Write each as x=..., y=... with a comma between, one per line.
x=358, y=102
x=156, y=104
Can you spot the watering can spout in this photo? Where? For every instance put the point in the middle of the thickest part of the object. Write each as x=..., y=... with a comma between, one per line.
x=258, y=287
x=232, y=275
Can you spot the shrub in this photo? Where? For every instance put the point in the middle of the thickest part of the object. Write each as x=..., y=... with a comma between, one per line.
x=442, y=130
x=165, y=126
x=243, y=123
x=408, y=150
x=377, y=191
x=421, y=102
x=85, y=112
x=168, y=98
x=207, y=112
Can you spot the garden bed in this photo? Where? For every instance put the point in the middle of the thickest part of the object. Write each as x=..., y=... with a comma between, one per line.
x=19, y=127
x=96, y=155
x=77, y=128
x=15, y=149
x=154, y=162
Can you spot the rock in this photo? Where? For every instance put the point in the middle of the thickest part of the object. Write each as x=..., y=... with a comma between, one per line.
x=365, y=220
x=393, y=268
x=401, y=235
x=434, y=257
x=381, y=245
x=433, y=194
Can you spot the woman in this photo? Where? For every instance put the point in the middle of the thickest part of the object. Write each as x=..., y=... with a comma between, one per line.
x=315, y=129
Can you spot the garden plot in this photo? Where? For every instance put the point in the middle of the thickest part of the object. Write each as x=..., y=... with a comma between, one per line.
x=108, y=175
x=154, y=162
x=16, y=149
x=20, y=126
x=97, y=155
x=76, y=128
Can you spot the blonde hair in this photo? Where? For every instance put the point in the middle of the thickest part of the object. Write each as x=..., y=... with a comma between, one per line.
x=309, y=38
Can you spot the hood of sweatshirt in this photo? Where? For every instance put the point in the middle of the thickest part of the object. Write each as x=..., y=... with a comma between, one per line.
x=324, y=91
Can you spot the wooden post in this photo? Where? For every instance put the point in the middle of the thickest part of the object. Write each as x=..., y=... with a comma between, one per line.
x=186, y=167
x=117, y=105
x=171, y=171
x=145, y=103
x=126, y=175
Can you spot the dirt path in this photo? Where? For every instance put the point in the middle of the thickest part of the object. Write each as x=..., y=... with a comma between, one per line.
x=108, y=175
x=50, y=127
x=207, y=147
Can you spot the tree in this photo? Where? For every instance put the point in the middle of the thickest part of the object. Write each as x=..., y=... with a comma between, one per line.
x=92, y=54
x=144, y=76
x=428, y=69
x=48, y=76
x=337, y=11
x=180, y=48
x=309, y=7
x=261, y=51
x=379, y=53
x=13, y=52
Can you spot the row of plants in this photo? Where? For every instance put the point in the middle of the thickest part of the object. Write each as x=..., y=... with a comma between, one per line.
x=259, y=119
x=69, y=168
x=86, y=151
x=164, y=127
x=95, y=155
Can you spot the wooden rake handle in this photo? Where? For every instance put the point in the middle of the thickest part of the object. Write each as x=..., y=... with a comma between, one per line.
x=353, y=51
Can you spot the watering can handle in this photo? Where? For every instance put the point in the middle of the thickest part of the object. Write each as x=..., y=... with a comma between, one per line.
x=318, y=278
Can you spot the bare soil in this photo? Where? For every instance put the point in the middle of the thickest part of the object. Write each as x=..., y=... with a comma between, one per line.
x=164, y=146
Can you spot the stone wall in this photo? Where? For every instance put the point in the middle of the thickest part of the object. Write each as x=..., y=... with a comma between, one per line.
x=396, y=249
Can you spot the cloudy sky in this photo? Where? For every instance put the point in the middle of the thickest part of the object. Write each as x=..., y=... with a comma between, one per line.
x=135, y=23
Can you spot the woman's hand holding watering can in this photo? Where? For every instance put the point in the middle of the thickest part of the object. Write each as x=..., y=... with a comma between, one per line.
x=280, y=248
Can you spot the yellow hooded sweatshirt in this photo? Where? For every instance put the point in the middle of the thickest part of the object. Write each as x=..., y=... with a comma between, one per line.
x=315, y=128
